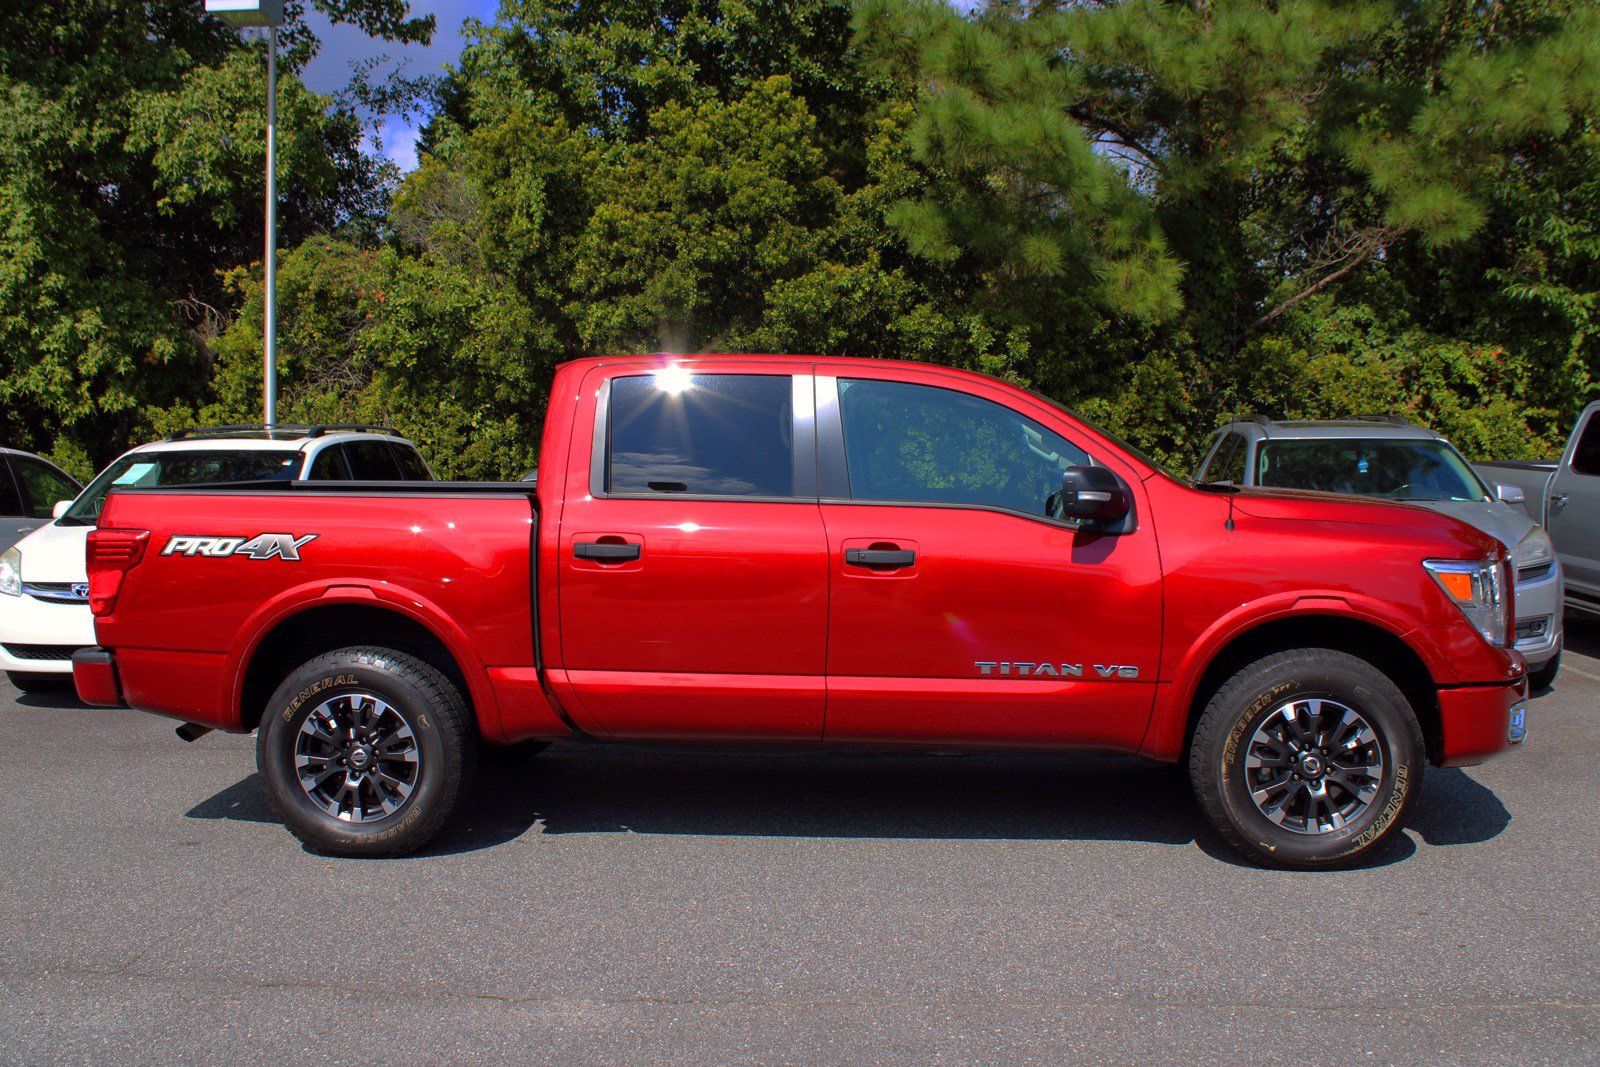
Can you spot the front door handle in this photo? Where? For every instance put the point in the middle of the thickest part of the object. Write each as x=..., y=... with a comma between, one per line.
x=603, y=552
x=880, y=559
x=1558, y=501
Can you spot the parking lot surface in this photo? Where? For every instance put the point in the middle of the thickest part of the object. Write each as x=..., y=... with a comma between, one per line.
x=620, y=905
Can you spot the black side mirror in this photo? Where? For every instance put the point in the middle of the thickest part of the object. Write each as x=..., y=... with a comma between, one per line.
x=1093, y=494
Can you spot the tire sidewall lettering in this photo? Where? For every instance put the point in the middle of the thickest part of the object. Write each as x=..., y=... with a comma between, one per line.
x=1394, y=789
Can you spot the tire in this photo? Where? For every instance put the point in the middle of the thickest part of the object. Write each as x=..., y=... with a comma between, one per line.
x=387, y=749
x=1290, y=713
x=39, y=683
x=1542, y=678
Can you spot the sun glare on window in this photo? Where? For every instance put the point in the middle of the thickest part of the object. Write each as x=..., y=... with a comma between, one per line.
x=673, y=379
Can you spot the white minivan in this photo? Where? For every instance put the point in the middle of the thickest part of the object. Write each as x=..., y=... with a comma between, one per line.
x=44, y=585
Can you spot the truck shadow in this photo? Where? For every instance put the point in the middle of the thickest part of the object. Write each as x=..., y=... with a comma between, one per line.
x=590, y=789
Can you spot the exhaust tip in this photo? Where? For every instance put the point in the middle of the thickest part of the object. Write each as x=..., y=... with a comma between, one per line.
x=190, y=731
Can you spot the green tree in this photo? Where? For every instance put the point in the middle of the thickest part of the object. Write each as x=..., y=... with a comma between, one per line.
x=131, y=149
x=1208, y=171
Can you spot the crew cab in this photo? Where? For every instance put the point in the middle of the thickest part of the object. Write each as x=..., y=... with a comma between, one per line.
x=818, y=551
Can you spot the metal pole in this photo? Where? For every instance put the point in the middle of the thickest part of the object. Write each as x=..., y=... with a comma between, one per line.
x=270, y=341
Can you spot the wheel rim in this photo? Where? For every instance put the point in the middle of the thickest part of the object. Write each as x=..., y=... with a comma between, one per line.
x=357, y=758
x=1314, y=766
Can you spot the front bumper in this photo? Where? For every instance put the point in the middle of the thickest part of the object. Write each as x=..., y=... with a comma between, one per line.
x=39, y=637
x=1538, y=614
x=1479, y=722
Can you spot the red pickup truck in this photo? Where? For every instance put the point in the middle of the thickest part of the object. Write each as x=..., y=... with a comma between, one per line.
x=813, y=551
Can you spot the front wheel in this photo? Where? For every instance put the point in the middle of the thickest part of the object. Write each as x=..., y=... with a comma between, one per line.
x=1309, y=759
x=365, y=752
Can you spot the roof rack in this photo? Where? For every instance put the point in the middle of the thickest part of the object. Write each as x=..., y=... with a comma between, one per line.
x=283, y=429
x=1386, y=420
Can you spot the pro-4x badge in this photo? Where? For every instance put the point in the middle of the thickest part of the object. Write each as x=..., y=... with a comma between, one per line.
x=261, y=546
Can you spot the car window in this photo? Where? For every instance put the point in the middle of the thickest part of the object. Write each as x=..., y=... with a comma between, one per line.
x=182, y=467
x=1400, y=470
x=708, y=434
x=329, y=465
x=1586, y=456
x=1227, y=462
x=10, y=499
x=411, y=464
x=938, y=446
x=42, y=486
x=371, y=461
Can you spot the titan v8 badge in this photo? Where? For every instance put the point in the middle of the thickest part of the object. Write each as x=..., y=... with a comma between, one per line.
x=261, y=546
x=1053, y=670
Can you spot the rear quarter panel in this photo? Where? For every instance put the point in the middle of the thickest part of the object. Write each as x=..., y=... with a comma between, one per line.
x=184, y=626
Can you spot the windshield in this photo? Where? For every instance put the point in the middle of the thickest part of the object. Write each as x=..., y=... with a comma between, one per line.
x=186, y=467
x=1398, y=470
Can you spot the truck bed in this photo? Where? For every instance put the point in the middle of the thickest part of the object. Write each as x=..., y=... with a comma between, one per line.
x=453, y=557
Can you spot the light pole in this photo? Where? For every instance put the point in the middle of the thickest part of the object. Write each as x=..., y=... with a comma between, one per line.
x=267, y=14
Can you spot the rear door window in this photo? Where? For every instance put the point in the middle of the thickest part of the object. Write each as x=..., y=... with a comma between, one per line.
x=703, y=434
x=371, y=461
x=329, y=466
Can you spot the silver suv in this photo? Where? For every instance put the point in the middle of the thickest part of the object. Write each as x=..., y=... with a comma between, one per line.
x=1386, y=456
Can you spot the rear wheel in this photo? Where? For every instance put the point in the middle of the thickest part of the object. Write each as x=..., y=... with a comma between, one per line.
x=1310, y=758
x=365, y=752
x=39, y=683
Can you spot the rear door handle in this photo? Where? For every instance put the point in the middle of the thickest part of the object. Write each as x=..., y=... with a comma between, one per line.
x=603, y=552
x=880, y=558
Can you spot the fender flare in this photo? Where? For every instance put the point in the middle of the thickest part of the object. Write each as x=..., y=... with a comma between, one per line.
x=1168, y=725
x=333, y=591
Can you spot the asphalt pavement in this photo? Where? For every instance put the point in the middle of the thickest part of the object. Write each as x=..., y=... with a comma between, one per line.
x=619, y=905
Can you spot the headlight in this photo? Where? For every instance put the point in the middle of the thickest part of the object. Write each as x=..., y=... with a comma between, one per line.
x=1479, y=589
x=11, y=572
x=1533, y=549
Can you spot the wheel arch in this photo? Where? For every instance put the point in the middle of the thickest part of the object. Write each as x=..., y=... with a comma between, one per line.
x=327, y=624
x=1382, y=648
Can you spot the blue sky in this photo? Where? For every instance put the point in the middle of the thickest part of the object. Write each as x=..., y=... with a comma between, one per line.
x=345, y=45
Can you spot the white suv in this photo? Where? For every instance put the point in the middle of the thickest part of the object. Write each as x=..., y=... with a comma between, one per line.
x=44, y=591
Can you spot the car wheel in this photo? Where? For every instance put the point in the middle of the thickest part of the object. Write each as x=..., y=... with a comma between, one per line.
x=365, y=752
x=39, y=683
x=1310, y=758
x=1544, y=677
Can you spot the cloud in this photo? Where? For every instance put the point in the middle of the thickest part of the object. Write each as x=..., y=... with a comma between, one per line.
x=344, y=46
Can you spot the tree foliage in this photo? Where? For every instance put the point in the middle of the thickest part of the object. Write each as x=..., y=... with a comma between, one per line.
x=1164, y=212
x=132, y=142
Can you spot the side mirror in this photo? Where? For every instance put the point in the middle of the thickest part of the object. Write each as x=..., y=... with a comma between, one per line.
x=60, y=508
x=1510, y=494
x=1093, y=494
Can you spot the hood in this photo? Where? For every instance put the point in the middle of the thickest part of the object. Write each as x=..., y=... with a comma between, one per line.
x=1408, y=520
x=55, y=553
x=1501, y=521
